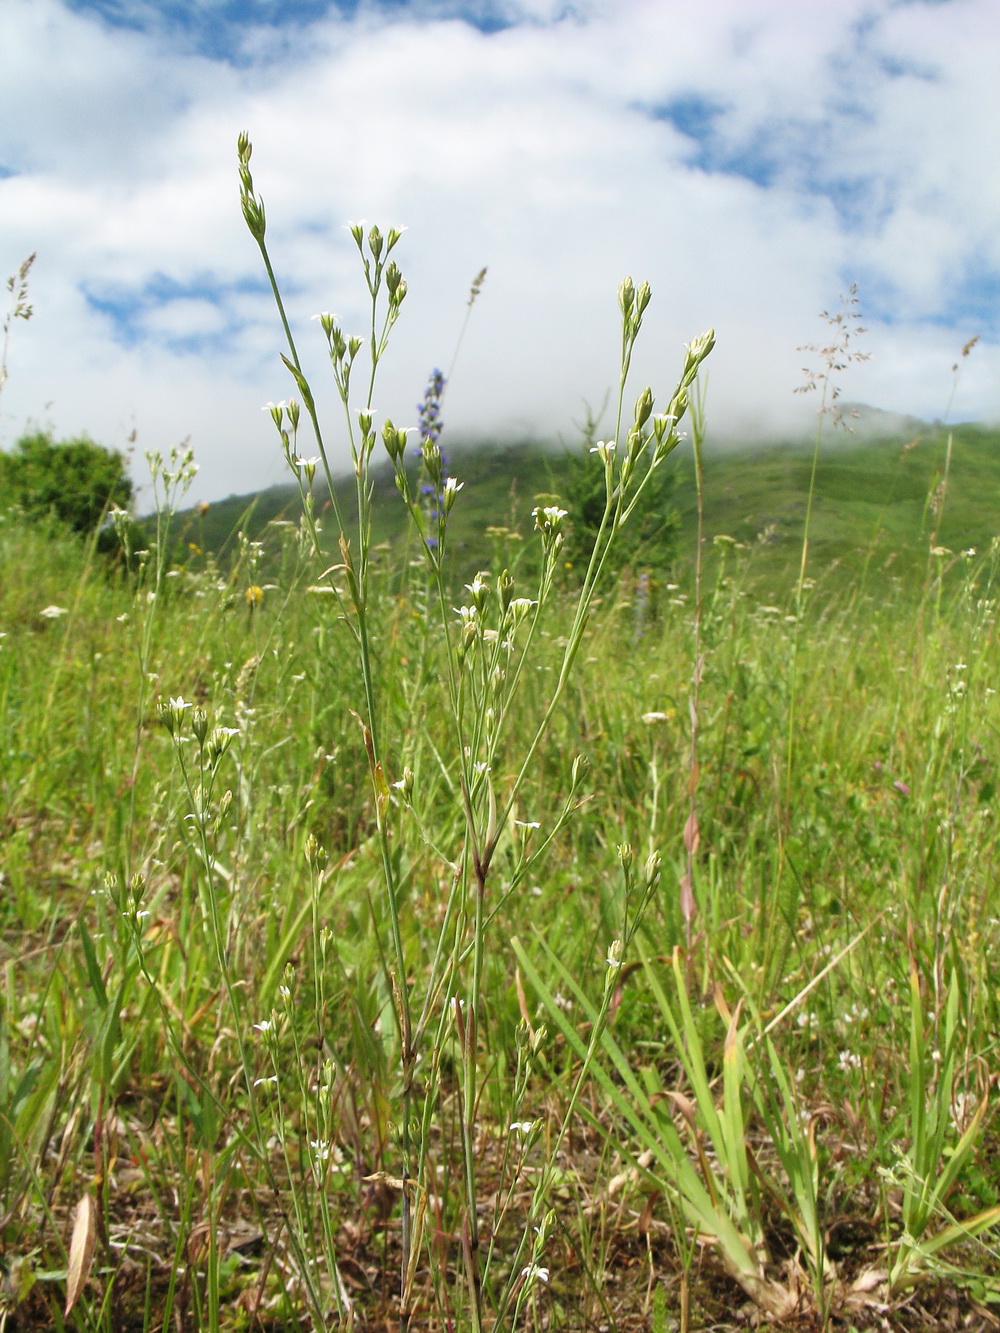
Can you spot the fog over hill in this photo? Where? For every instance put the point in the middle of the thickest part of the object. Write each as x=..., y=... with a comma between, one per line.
x=751, y=159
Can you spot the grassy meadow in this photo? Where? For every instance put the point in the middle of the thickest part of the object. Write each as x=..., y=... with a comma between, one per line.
x=843, y=878
x=405, y=926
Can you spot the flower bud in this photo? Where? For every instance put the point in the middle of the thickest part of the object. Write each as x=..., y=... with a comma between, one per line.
x=505, y=586
x=678, y=406
x=478, y=590
x=199, y=724
x=316, y=856
x=112, y=888
x=643, y=408
x=470, y=623
x=393, y=439
x=697, y=350
x=253, y=212
x=219, y=741
x=662, y=426
x=626, y=297
x=431, y=454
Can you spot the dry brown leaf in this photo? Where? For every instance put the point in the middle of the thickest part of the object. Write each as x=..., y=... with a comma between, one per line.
x=81, y=1249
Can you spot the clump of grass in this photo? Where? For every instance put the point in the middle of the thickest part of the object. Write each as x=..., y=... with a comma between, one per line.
x=484, y=659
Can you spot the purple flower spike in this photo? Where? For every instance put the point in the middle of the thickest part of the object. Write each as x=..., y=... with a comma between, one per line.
x=429, y=428
x=430, y=423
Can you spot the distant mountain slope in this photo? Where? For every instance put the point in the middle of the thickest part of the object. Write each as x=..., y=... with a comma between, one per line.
x=875, y=498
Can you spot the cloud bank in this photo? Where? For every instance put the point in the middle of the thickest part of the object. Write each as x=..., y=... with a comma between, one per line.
x=749, y=158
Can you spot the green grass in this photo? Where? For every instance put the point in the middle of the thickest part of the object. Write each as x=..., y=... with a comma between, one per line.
x=126, y=1081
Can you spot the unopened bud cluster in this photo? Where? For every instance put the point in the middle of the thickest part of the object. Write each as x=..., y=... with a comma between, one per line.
x=489, y=623
x=253, y=205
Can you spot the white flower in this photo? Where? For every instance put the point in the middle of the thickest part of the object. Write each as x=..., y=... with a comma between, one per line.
x=606, y=449
x=523, y=1127
x=535, y=1273
x=264, y=1026
x=53, y=612
x=551, y=516
x=614, y=958
x=258, y=1081
x=650, y=718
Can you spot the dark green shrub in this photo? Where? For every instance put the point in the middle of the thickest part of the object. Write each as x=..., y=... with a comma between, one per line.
x=76, y=481
x=649, y=541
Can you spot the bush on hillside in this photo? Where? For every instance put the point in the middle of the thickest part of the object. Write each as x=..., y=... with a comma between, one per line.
x=649, y=541
x=75, y=481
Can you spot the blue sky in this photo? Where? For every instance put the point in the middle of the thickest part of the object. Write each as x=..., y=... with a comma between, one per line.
x=750, y=158
x=217, y=30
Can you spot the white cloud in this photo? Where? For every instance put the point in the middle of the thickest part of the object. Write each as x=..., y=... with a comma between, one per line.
x=826, y=143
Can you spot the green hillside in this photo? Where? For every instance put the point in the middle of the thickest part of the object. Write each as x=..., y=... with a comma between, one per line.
x=873, y=511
